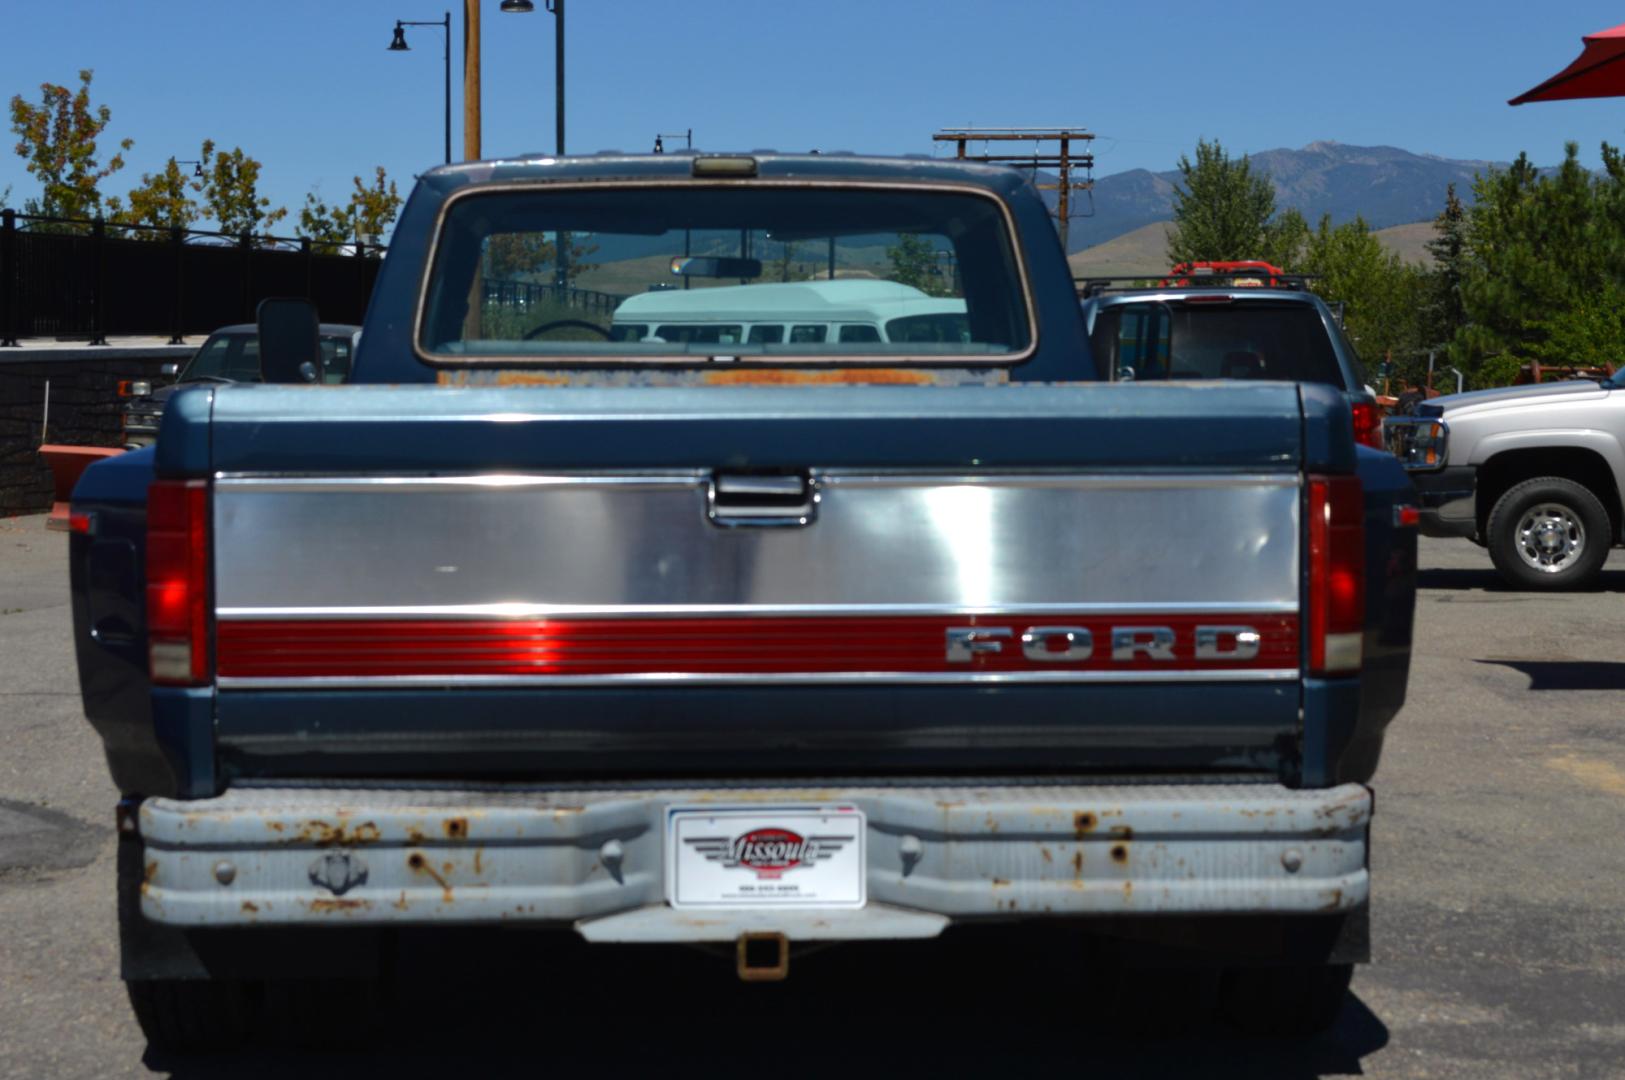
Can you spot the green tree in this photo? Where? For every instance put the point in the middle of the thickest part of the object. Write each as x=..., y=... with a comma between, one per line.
x=1224, y=210
x=534, y=256
x=231, y=192
x=1544, y=253
x=914, y=262
x=374, y=206
x=328, y=227
x=515, y=256
x=1381, y=293
x=164, y=199
x=58, y=140
x=1445, y=314
x=364, y=219
x=1286, y=239
x=1589, y=333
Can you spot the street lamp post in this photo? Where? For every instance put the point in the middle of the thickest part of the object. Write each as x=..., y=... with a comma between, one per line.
x=197, y=166
x=556, y=9
x=687, y=136
x=399, y=45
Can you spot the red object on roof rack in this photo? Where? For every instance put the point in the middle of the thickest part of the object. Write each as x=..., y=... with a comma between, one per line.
x=1236, y=272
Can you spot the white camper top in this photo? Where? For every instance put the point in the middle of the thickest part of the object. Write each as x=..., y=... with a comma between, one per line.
x=842, y=300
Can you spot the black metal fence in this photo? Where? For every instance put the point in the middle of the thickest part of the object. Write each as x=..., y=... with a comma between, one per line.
x=65, y=277
x=527, y=294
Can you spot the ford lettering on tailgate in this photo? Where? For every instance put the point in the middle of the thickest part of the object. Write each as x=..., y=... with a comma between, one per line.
x=1074, y=644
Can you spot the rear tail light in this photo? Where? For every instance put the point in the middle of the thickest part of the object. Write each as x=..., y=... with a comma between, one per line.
x=1336, y=598
x=178, y=582
x=1367, y=425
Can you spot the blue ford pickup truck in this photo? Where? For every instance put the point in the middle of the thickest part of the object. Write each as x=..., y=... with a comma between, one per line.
x=803, y=617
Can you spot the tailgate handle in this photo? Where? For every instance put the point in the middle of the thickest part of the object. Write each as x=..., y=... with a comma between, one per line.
x=743, y=500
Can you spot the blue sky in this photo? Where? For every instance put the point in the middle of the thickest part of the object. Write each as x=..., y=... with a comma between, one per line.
x=307, y=87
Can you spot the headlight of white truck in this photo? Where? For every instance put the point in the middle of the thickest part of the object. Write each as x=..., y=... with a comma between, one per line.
x=1419, y=442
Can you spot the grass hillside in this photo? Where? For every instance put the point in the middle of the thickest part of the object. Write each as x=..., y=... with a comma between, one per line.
x=1409, y=242
x=1145, y=250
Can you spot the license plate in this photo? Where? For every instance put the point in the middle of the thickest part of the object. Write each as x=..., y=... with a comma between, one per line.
x=765, y=857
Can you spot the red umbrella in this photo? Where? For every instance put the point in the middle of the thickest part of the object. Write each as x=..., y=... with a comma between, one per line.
x=1598, y=72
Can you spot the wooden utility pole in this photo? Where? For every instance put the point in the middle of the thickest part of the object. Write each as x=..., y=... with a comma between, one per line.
x=473, y=323
x=471, y=80
x=1063, y=160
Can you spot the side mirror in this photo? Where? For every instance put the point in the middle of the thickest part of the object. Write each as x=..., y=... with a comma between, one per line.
x=290, y=340
x=169, y=371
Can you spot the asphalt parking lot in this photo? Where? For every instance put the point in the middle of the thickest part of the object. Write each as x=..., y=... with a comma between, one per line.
x=1499, y=931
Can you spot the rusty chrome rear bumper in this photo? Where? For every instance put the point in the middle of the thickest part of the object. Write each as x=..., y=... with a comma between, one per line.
x=593, y=858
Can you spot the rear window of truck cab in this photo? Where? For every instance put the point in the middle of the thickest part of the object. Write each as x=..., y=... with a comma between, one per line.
x=696, y=273
x=1243, y=339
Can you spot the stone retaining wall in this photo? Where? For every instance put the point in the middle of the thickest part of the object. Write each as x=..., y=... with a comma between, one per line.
x=85, y=411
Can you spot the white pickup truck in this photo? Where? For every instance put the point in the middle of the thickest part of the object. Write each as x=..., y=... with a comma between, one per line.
x=1533, y=473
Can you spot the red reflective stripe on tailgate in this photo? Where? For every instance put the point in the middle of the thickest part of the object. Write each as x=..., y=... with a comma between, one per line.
x=265, y=648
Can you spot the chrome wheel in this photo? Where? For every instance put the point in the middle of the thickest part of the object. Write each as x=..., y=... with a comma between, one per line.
x=1550, y=537
x=1548, y=533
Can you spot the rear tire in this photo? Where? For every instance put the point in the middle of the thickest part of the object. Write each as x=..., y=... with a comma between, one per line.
x=1292, y=1002
x=190, y=1016
x=1548, y=534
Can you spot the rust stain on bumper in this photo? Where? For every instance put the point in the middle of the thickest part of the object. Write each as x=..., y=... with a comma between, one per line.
x=416, y=862
x=322, y=833
x=336, y=905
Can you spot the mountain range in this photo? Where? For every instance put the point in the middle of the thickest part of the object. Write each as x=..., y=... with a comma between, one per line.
x=1385, y=184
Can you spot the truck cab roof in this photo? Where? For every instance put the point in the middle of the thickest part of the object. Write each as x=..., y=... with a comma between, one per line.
x=764, y=165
